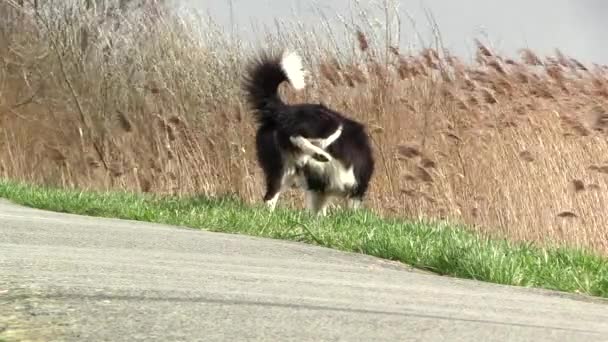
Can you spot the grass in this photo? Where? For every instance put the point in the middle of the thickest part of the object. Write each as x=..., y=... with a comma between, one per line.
x=435, y=246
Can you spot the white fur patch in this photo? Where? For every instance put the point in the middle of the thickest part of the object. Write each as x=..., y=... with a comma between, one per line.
x=308, y=148
x=313, y=147
x=325, y=142
x=339, y=178
x=272, y=203
x=339, y=181
x=291, y=63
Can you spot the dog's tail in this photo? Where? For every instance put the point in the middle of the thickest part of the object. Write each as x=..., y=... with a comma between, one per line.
x=262, y=81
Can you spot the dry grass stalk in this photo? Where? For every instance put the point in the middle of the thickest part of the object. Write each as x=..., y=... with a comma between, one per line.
x=488, y=95
x=431, y=58
x=482, y=49
x=428, y=163
x=577, y=185
x=530, y=58
x=330, y=73
x=362, y=40
x=124, y=121
x=578, y=65
x=567, y=214
x=562, y=59
x=575, y=124
x=526, y=156
x=423, y=175
x=406, y=69
x=408, y=151
x=55, y=154
x=555, y=72
x=496, y=65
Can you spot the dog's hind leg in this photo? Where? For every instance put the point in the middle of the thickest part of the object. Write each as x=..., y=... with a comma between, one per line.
x=317, y=202
x=269, y=158
x=272, y=196
x=272, y=202
x=274, y=185
x=355, y=203
x=276, y=182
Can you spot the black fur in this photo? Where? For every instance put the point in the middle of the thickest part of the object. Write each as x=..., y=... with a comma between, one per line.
x=277, y=122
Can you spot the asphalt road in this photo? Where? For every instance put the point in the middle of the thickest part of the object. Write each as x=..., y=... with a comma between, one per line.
x=73, y=278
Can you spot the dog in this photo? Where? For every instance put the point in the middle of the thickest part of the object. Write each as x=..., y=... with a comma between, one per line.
x=305, y=145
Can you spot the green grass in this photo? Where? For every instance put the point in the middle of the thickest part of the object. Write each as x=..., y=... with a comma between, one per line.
x=438, y=247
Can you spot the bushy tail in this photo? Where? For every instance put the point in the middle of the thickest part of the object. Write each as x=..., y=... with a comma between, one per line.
x=262, y=81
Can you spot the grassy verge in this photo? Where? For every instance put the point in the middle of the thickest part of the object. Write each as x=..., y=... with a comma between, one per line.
x=437, y=247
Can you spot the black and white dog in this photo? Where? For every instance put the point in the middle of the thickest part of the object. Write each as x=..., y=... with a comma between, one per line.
x=307, y=145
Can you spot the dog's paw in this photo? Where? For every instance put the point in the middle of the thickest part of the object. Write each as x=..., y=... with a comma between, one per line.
x=321, y=157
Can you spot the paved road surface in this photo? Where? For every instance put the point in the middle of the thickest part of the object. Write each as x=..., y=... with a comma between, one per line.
x=72, y=278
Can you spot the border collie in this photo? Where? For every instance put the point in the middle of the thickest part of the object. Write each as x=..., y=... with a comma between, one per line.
x=305, y=145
